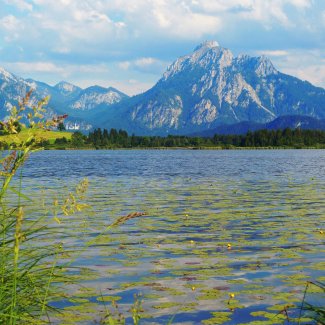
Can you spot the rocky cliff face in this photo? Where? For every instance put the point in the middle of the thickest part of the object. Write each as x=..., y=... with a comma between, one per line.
x=94, y=96
x=210, y=87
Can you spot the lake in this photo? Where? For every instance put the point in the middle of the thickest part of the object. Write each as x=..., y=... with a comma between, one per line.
x=229, y=237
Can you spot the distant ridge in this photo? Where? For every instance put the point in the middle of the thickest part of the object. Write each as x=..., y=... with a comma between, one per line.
x=65, y=98
x=282, y=122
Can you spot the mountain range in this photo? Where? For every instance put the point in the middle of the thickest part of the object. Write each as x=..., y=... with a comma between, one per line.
x=65, y=98
x=280, y=123
x=209, y=89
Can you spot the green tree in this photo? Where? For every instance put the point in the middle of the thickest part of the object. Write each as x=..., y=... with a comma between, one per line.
x=77, y=139
x=61, y=126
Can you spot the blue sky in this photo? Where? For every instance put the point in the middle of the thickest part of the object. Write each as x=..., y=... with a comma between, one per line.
x=128, y=44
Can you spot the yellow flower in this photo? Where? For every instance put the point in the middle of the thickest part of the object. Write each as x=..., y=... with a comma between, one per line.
x=231, y=295
x=192, y=241
x=193, y=288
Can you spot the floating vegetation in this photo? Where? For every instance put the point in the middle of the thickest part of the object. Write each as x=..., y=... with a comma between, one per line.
x=210, y=249
x=218, y=318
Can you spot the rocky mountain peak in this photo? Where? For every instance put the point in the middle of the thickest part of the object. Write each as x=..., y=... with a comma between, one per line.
x=5, y=75
x=265, y=67
x=262, y=65
x=211, y=87
x=206, y=55
x=66, y=87
x=97, y=95
x=207, y=45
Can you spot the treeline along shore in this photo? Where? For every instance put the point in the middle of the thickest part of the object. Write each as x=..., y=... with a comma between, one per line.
x=114, y=139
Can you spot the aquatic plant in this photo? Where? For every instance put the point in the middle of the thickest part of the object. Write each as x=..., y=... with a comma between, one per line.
x=315, y=311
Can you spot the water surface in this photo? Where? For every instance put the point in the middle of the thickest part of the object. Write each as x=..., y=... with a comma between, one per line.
x=226, y=232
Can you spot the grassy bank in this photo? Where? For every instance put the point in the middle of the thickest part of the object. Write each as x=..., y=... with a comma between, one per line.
x=41, y=136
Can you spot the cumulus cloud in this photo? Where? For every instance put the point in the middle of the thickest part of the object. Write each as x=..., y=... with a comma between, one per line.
x=131, y=86
x=108, y=27
x=178, y=19
x=273, y=53
x=10, y=23
x=314, y=73
x=300, y=3
x=38, y=66
x=145, y=64
x=144, y=36
x=20, y=4
x=12, y=28
x=265, y=12
x=305, y=65
x=45, y=68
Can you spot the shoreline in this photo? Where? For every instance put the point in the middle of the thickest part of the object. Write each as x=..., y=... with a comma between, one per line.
x=190, y=148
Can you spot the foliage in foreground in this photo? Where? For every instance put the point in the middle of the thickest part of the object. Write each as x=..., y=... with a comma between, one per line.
x=33, y=261
x=26, y=271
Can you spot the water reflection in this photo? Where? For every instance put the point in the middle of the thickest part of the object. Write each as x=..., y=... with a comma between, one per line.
x=242, y=222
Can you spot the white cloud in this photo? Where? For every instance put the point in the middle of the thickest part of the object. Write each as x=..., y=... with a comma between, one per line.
x=11, y=27
x=305, y=65
x=177, y=18
x=141, y=37
x=125, y=65
x=130, y=86
x=20, y=4
x=273, y=53
x=301, y=3
x=145, y=64
x=10, y=23
x=89, y=20
x=263, y=11
x=315, y=74
x=31, y=67
x=90, y=68
x=99, y=26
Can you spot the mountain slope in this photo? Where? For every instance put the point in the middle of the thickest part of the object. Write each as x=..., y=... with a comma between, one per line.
x=282, y=122
x=65, y=98
x=211, y=87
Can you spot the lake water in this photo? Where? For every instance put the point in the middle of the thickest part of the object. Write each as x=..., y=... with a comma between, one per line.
x=229, y=236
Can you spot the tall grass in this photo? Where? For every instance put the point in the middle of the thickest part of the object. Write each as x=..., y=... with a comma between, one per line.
x=26, y=269
x=31, y=254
